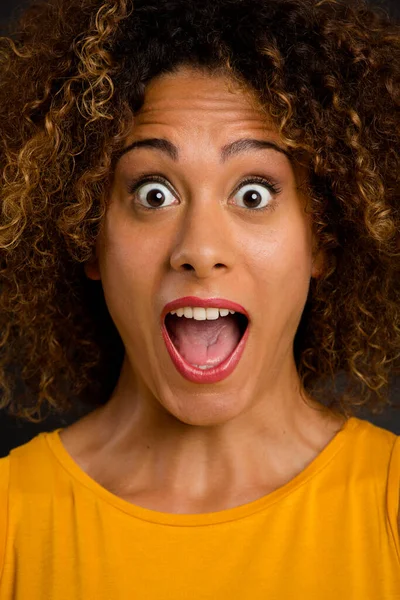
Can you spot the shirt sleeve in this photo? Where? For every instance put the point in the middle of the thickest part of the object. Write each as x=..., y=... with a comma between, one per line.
x=4, y=496
x=393, y=493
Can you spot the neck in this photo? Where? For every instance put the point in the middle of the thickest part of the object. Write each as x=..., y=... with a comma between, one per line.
x=153, y=458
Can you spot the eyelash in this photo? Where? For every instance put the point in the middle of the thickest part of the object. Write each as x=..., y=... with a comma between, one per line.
x=138, y=182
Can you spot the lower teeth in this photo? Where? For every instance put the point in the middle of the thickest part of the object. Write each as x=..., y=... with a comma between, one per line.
x=203, y=367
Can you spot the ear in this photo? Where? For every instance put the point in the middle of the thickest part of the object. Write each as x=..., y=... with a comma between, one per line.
x=318, y=264
x=92, y=269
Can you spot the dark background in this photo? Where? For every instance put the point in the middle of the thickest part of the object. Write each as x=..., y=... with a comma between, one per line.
x=16, y=432
x=8, y=7
x=11, y=7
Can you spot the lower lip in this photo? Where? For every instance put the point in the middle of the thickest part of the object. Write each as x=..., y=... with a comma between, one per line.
x=213, y=375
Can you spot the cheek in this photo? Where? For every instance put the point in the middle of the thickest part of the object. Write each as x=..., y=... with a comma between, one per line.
x=131, y=267
x=281, y=262
x=131, y=256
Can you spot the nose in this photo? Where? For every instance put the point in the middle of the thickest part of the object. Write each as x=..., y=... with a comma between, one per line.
x=204, y=242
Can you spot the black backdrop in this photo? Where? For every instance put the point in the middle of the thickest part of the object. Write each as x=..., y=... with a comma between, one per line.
x=10, y=7
x=13, y=432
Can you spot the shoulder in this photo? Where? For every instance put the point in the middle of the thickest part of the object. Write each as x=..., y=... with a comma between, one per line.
x=24, y=474
x=5, y=464
x=394, y=478
x=4, y=475
x=30, y=465
x=4, y=500
x=374, y=452
x=376, y=445
x=28, y=471
x=384, y=450
x=398, y=514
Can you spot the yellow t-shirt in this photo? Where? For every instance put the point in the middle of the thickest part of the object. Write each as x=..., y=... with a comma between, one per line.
x=329, y=534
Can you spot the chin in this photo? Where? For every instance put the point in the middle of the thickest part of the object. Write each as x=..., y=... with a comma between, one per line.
x=201, y=411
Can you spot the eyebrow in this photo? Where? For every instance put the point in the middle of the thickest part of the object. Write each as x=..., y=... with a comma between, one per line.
x=228, y=151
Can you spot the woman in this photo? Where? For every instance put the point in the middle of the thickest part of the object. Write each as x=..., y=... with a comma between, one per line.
x=200, y=229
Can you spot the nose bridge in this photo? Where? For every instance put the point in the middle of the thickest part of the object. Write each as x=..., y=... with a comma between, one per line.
x=203, y=241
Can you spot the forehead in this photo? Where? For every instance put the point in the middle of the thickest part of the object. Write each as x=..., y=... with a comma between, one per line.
x=204, y=103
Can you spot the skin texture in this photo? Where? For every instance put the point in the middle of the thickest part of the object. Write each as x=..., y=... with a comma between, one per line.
x=161, y=441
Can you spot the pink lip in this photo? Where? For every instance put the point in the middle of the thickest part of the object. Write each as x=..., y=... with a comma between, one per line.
x=187, y=370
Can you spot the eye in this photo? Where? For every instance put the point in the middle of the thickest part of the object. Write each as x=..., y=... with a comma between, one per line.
x=153, y=195
x=255, y=195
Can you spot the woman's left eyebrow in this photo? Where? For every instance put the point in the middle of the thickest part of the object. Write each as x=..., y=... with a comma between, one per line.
x=228, y=151
x=248, y=145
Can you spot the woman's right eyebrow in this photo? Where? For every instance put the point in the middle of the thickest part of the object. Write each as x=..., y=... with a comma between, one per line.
x=228, y=151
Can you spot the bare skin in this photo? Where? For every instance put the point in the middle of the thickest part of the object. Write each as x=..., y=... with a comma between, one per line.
x=163, y=442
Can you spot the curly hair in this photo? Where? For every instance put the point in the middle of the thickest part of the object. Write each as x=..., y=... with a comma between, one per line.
x=72, y=75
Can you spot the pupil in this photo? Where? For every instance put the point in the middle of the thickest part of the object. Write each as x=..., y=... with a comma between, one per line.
x=155, y=198
x=252, y=198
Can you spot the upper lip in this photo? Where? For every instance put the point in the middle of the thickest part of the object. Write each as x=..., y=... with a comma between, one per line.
x=203, y=303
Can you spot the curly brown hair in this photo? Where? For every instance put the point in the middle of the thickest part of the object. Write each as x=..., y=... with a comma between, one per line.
x=72, y=75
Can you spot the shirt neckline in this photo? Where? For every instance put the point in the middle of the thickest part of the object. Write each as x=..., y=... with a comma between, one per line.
x=56, y=446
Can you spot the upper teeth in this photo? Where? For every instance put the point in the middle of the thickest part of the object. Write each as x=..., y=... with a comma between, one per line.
x=202, y=314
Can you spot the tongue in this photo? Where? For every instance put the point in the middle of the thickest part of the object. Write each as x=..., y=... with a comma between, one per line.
x=205, y=342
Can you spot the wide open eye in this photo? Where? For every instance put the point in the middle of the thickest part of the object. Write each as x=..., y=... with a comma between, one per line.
x=255, y=196
x=154, y=195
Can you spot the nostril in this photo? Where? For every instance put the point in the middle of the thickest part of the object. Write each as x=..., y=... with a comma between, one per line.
x=189, y=267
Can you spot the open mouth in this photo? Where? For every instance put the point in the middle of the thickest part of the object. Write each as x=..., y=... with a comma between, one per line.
x=207, y=338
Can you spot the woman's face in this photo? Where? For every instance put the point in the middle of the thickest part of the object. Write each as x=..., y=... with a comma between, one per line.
x=198, y=213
